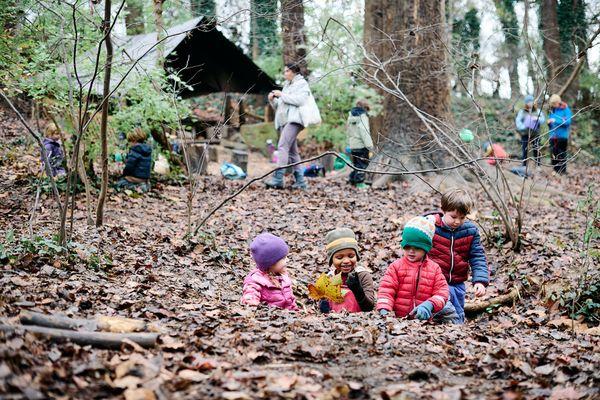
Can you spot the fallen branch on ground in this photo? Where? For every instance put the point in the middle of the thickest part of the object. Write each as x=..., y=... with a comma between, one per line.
x=102, y=323
x=99, y=339
x=479, y=307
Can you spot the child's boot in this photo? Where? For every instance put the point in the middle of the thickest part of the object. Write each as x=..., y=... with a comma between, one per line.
x=277, y=181
x=300, y=181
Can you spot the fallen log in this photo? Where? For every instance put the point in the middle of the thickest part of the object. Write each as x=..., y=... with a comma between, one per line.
x=479, y=307
x=102, y=323
x=99, y=339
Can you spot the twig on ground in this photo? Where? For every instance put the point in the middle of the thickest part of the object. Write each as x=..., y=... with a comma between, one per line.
x=99, y=339
x=479, y=307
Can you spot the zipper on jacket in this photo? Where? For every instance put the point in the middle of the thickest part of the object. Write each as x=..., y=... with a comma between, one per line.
x=451, y=257
x=417, y=285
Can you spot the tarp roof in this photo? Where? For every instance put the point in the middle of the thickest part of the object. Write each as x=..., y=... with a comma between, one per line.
x=196, y=51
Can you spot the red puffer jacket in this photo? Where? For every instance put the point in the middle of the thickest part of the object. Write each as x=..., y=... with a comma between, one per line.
x=405, y=285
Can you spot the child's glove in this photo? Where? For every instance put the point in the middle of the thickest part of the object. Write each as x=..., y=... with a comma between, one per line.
x=324, y=306
x=354, y=284
x=383, y=312
x=423, y=311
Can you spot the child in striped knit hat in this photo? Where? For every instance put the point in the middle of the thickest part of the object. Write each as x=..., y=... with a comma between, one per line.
x=414, y=286
x=357, y=283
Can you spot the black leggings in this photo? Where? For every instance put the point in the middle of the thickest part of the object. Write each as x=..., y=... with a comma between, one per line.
x=531, y=138
x=360, y=159
x=559, y=154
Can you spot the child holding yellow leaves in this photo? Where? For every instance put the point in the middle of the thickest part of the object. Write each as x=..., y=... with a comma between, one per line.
x=357, y=283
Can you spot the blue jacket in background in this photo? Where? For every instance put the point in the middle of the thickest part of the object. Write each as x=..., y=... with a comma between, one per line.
x=139, y=161
x=562, y=121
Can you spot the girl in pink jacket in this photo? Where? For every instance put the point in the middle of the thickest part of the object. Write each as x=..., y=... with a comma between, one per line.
x=269, y=282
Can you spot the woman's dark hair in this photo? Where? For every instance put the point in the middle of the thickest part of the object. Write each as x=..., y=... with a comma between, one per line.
x=293, y=67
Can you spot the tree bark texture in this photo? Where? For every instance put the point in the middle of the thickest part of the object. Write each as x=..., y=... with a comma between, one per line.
x=415, y=46
x=551, y=42
x=104, y=119
x=292, y=33
x=373, y=41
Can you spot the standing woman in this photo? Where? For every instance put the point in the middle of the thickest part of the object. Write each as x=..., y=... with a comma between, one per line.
x=528, y=122
x=559, y=122
x=291, y=116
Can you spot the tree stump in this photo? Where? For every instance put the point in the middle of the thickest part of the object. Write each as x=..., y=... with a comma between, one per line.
x=198, y=158
x=240, y=158
x=213, y=154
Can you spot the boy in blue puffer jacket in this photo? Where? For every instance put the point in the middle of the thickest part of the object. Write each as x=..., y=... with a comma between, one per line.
x=559, y=122
x=457, y=249
x=138, y=163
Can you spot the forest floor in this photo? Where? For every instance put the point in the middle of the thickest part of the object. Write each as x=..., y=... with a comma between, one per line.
x=137, y=265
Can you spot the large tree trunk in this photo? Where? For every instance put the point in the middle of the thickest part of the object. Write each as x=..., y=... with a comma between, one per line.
x=510, y=28
x=529, y=49
x=292, y=33
x=551, y=40
x=264, y=27
x=134, y=17
x=104, y=121
x=373, y=40
x=416, y=47
x=160, y=32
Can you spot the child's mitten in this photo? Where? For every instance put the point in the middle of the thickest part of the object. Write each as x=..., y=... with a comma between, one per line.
x=383, y=312
x=324, y=306
x=353, y=284
x=423, y=311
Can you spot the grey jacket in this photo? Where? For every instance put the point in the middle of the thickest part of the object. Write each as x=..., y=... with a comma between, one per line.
x=287, y=107
x=358, y=131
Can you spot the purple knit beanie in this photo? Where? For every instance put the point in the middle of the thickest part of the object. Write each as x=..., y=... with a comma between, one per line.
x=267, y=250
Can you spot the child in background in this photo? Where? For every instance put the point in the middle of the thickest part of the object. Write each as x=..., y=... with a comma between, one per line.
x=457, y=249
x=138, y=162
x=495, y=152
x=54, y=152
x=528, y=122
x=359, y=141
x=413, y=286
x=269, y=282
x=357, y=283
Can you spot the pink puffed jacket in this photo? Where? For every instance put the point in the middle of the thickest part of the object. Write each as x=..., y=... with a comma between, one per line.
x=259, y=288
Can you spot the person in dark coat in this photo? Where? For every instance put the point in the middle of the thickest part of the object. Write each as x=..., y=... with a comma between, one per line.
x=138, y=162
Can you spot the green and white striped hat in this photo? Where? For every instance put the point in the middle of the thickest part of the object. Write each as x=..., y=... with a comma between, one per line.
x=418, y=232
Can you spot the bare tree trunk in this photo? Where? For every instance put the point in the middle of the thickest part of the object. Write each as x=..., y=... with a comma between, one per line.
x=292, y=33
x=158, y=20
x=373, y=40
x=531, y=67
x=510, y=28
x=415, y=48
x=134, y=17
x=551, y=38
x=104, y=120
